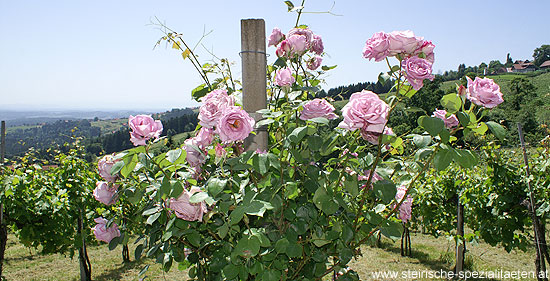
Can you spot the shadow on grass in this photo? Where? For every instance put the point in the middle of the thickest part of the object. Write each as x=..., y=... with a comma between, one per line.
x=419, y=255
x=119, y=272
x=443, y=263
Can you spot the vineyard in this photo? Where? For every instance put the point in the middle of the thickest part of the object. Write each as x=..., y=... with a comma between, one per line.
x=276, y=180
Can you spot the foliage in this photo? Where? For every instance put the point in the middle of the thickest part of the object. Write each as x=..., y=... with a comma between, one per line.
x=43, y=205
x=541, y=54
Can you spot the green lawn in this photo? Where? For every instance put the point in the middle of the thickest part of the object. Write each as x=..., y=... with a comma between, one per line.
x=429, y=254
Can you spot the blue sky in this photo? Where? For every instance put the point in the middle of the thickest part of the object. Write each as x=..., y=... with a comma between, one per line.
x=99, y=54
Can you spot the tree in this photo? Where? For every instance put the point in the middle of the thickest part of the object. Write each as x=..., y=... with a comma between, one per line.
x=541, y=54
x=495, y=65
x=509, y=61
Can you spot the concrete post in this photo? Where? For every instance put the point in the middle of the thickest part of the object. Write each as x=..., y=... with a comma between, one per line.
x=254, y=64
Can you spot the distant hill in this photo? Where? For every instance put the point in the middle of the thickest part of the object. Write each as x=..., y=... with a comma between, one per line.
x=102, y=131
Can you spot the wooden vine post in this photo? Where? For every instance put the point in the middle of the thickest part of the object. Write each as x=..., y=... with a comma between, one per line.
x=3, y=228
x=540, y=240
x=254, y=65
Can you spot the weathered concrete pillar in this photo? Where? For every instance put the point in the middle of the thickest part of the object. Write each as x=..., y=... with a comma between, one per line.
x=254, y=62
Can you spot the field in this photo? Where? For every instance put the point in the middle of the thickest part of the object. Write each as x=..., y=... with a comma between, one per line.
x=429, y=254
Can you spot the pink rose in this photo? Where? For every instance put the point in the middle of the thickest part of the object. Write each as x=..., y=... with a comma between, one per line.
x=366, y=111
x=314, y=63
x=104, y=166
x=284, y=49
x=219, y=96
x=365, y=177
x=317, y=108
x=306, y=32
x=416, y=70
x=235, y=124
x=275, y=37
x=372, y=137
x=220, y=151
x=377, y=47
x=316, y=45
x=427, y=48
x=194, y=156
x=143, y=127
x=450, y=121
x=354, y=154
x=403, y=42
x=461, y=91
x=484, y=92
x=298, y=45
x=214, y=103
x=105, y=194
x=185, y=210
x=284, y=78
x=204, y=137
x=405, y=210
x=102, y=233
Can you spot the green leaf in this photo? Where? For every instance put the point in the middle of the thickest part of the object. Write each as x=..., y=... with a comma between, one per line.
x=264, y=122
x=236, y=215
x=326, y=68
x=194, y=238
x=421, y=141
x=177, y=189
x=294, y=250
x=152, y=218
x=481, y=129
x=385, y=190
x=465, y=158
x=314, y=142
x=129, y=165
x=281, y=245
x=248, y=246
x=407, y=91
x=138, y=251
x=321, y=120
x=443, y=158
x=151, y=211
x=351, y=186
x=297, y=134
x=117, y=167
x=114, y=242
x=271, y=275
x=198, y=197
x=215, y=186
x=289, y=5
x=230, y=271
x=497, y=130
x=392, y=230
x=463, y=118
x=347, y=233
x=199, y=92
x=223, y=230
x=422, y=153
x=173, y=155
x=451, y=102
x=444, y=135
x=432, y=125
x=257, y=208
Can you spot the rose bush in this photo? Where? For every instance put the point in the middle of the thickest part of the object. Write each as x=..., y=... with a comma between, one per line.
x=301, y=209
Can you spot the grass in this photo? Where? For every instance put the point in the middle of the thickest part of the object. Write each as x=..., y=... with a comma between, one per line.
x=428, y=254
